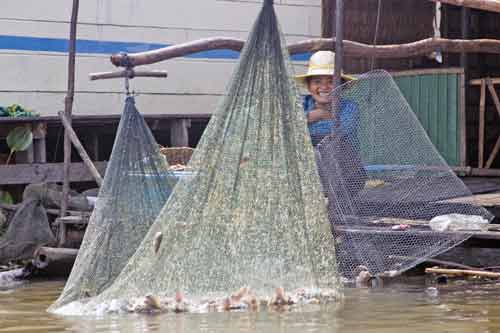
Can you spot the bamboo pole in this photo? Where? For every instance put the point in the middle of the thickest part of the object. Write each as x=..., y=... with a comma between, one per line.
x=353, y=49
x=80, y=149
x=488, y=5
x=461, y=272
x=68, y=103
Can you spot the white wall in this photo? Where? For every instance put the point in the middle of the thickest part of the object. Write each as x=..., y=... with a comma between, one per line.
x=37, y=79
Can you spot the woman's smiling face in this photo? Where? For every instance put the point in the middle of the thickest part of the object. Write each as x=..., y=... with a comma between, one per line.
x=321, y=87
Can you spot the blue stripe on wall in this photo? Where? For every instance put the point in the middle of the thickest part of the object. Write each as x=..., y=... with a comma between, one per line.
x=22, y=43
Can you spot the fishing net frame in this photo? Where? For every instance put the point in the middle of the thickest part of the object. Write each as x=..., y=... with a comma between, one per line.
x=136, y=185
x=386, y=182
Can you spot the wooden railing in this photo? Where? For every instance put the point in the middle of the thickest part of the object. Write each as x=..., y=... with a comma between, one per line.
x=490, y=84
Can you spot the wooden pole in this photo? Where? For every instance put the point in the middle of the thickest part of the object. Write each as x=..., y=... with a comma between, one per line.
x=339, y=46
x=55, y=261
x=461, y=272
x=489, y=5
x=130, y=73
x=482, y=110
x=81, y=150
x=68, y=103
x=354, y=49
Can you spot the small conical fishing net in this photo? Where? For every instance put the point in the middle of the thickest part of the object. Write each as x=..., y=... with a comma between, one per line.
x=251, y=213
x=135, y=188
x=388, y=188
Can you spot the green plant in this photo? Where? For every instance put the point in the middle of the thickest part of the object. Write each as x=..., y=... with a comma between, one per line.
x=19, y=139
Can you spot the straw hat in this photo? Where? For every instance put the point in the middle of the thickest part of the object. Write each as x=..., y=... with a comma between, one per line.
x=321, y=63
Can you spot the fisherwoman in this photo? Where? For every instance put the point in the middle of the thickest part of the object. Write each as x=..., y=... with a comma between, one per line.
x=321, y=117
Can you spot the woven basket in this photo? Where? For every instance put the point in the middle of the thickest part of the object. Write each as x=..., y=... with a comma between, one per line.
x=177, y=155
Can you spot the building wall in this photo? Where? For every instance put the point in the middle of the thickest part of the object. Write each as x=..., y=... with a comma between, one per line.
x=33, y=45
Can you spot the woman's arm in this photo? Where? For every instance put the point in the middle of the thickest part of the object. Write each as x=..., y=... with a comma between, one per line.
x=317, y=115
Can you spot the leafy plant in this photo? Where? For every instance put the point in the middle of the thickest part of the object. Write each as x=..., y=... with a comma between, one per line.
x=6, y=198
x=19, y=139
x=16, y=110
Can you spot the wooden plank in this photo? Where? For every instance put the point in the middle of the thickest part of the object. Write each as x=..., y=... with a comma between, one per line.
x=487, y=235
x=478, y=82
x=485, y=200
x=482, y=109
x=488, y=5
x=462, y=121
x=47, y=172
x=444, y=125
x=428, y=71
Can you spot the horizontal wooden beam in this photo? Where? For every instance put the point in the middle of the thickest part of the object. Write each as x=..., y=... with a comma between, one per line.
x=48, y=172
x=353, y=49
x=488, y=5
x=477, y=82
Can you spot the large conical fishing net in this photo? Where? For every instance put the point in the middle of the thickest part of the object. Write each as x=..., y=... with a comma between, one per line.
x=251, y=213
x=135, y=188
x=389, y=191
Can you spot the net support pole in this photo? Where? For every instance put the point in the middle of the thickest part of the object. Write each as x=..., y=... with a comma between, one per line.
x=79, y=148
x=339, y=37
x=68, y=105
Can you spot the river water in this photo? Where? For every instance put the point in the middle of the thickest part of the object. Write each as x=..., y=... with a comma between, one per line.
x=416, y=307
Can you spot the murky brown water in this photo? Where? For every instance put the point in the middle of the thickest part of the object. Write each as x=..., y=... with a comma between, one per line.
x=403, y=308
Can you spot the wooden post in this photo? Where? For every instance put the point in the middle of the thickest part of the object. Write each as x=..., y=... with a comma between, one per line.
x=79, y=147
x=339, y=37
x=327, y=18
x=496, y=101
x=463, y=121
x=482, y=108
x=179, y=136
x=39, y=144
x=68, y=104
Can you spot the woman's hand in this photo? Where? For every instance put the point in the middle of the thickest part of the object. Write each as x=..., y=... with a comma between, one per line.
x=317, y=115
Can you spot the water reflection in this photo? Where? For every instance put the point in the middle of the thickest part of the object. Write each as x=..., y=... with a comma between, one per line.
x=456, y=308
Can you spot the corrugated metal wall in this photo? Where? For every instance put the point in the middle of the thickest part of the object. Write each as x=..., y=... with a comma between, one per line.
x=436, y=100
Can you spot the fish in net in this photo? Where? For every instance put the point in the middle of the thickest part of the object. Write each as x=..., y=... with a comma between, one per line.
x=387, y=186
x=136, y=185
x=251, y=212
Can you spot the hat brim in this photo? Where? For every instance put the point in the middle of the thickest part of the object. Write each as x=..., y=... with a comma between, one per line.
x=303, y=78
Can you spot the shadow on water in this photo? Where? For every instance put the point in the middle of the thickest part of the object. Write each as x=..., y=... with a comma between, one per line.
x=456, y=307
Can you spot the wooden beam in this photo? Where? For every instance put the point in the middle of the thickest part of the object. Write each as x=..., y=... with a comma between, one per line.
x=339, y=42
x=79, y=147
x=47, y=172
x=462, y=272
x=353, y=49
x=494, y=95
x=462, y=121
x=478, y=82
x=68, y=101
x=482, y=110
x=488, y=5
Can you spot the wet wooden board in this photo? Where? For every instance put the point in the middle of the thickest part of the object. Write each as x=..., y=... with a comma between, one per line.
x=484, y=200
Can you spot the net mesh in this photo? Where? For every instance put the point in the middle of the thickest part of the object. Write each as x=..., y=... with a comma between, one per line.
x=250, y=213
x=385, y=182
x=136, y=185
